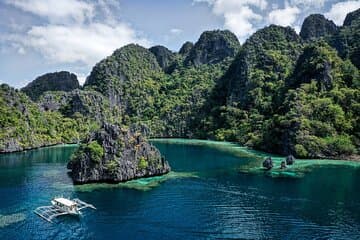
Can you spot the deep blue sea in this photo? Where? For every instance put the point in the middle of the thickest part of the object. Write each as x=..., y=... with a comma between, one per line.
x=205, y=197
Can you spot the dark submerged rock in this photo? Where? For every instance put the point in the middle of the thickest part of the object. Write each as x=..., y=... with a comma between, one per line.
x=268, y=163
x=290, y=160
x=283, y=165
x=113, y=154
x=57, y=81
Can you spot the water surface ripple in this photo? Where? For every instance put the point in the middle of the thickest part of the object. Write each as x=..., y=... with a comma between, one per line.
x=206, y=197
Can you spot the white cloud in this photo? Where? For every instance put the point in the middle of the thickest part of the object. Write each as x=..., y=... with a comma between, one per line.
x=81, y=78
x=339, y=11
x=297, y=29
x=308, y=3
x=225, y=6
x=56, y=11
x=284, y=17
x=204, y=1
x=21, y=51
x=239, y=16
x=87, y=44
x=176, y=31
x=240, y=22
x=82, y=36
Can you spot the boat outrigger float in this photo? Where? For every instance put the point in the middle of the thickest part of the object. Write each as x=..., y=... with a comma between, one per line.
x=62, y=206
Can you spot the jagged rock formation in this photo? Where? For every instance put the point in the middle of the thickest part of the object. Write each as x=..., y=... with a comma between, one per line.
x=311, y=126
x=290, y=160
x=352, y=18
x=276, y=93
x=282, y=95
x=268, y=163
x=186, y=48
x=89, y=104
x=113, y=154
x=306, y=70
x=273, y=49
x=121, y=77
x=24, y=126
x=316, y=26
x=129, y=63
x=213, y=47
x=164, y=57
x=346, y=41
x=57, y=81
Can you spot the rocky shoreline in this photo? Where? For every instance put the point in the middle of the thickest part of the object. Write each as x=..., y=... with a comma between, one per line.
x=353, y=157
x=19, y=149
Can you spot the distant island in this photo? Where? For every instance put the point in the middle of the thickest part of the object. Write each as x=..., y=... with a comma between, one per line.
x=279, y=92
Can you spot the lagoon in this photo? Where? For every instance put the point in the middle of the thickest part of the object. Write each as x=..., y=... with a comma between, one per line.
x=215, y=191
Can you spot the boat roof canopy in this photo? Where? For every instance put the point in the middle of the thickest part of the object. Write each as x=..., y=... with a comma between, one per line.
x=65, y=202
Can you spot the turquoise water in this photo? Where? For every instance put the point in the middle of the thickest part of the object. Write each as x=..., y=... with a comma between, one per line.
x=215, y=191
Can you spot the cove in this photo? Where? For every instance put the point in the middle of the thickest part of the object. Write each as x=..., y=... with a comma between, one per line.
x=216, y=190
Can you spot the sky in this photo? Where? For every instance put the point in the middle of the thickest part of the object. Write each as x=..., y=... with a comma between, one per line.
x=41, y=36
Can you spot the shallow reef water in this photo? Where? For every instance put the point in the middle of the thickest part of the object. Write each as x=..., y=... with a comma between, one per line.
x=297, y=170
x=216, y=190
x=142, y=184
x=6, y=220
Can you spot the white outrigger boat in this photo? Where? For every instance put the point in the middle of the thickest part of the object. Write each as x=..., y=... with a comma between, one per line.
x=62, y=206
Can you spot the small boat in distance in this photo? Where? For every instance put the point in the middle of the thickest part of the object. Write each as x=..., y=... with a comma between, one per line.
x=62, y=206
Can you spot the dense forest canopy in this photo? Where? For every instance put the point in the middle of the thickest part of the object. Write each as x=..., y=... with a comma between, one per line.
x=279, y=92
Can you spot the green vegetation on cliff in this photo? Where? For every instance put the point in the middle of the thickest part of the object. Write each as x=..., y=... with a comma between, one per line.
x=166, y=103
x=316, y=26
x=278, y=92
x=23, y=125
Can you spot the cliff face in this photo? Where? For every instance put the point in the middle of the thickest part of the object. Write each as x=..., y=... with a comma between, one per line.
x=164, y=57
x=212, y=47
x=85, y=103
x=128, y=78
x=23, y=125
x=286, y=96
x=352, y=17
x=129, y=64
x=316, y=26
x=278, y=92
x=347, y=40
x=58, y=81
x=261, y=66
x=186, y=48
x=112, y=154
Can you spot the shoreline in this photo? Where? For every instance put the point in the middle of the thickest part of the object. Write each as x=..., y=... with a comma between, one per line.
x=39, y=147
x=352, y=158
x=259, y=153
